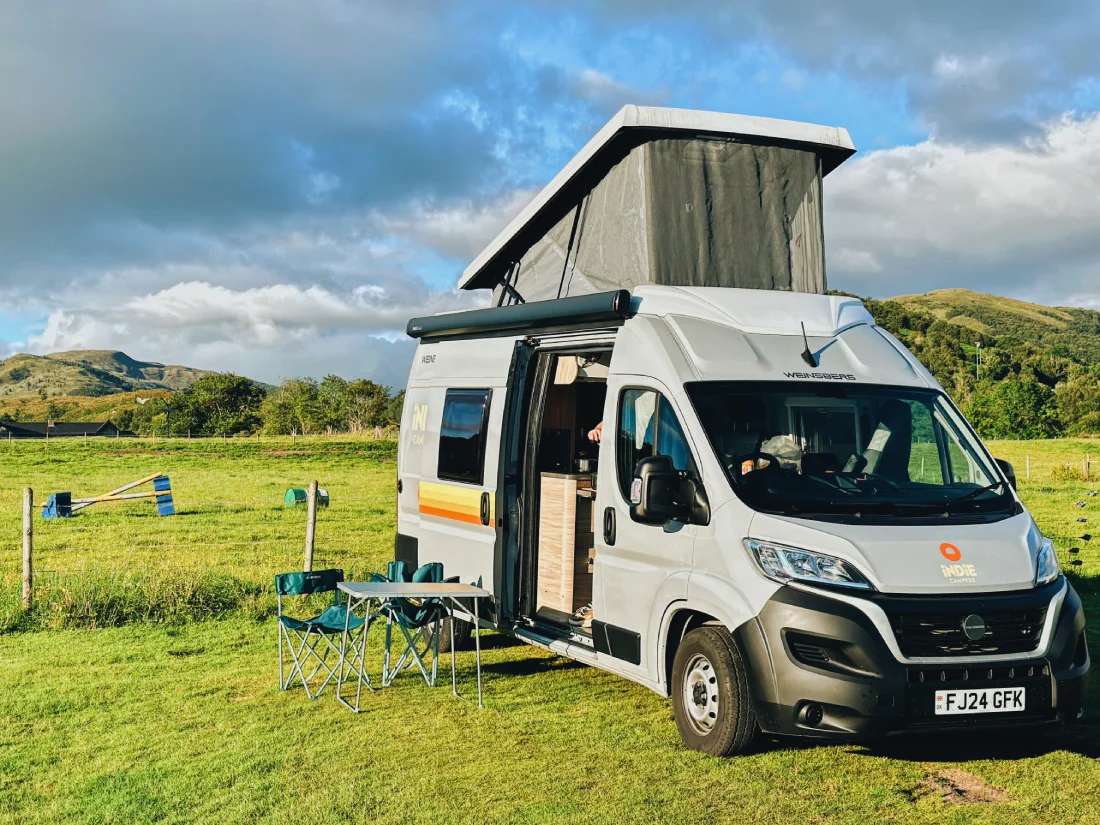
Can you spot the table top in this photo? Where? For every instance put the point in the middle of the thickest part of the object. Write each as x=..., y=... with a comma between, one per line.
x=393, y=590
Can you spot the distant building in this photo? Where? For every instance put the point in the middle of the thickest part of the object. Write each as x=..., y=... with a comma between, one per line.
x=60, y=429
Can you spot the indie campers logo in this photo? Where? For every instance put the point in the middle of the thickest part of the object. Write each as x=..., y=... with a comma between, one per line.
x=956, y=573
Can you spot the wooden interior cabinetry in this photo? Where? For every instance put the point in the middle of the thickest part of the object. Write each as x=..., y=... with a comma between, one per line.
x=566, y=541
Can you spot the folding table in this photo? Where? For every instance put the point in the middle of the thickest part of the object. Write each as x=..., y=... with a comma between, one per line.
x=361, y=594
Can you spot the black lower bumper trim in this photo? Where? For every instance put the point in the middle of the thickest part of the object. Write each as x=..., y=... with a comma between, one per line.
x=805, y=648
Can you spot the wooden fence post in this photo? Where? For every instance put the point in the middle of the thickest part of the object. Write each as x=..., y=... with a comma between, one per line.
x=311, y=524
x=28, y=547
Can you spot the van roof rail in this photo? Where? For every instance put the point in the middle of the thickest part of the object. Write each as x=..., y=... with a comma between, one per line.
x=600, y=308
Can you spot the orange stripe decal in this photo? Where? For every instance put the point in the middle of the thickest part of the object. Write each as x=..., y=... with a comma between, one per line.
x=452, y=502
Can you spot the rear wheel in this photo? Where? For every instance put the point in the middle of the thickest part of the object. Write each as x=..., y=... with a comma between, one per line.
x=710, y=695
x=463, y=631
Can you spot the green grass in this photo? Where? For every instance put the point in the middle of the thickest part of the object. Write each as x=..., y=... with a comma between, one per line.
x=120, y=562
x=175, y=717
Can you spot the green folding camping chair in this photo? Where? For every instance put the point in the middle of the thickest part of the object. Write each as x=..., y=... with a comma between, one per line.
x=310, y=641
x=414, y=619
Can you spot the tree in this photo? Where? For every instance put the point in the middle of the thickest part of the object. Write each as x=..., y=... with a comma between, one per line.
x=1014, y=409
x=219, y=403
x=365, y=405
x=1078, y=400
x=394, y=408
x=294, y=407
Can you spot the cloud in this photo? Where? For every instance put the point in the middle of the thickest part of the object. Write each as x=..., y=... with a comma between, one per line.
x=1016, y=219
x=270, y=332
x=460, y=229
x=275, y=187
x=980, y=70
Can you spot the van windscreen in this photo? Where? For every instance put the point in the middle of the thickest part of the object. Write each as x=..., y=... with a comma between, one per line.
x=815, y=450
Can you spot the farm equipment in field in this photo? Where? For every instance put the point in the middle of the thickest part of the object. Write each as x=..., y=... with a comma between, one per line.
x=63, y=505
x=296, y=495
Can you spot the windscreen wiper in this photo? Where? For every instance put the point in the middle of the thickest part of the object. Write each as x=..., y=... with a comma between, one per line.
x=973, y=494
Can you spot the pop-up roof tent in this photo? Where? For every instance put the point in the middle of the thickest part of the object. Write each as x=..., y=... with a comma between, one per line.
x=675, y=197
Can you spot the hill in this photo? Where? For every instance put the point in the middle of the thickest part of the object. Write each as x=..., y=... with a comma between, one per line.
x=1039, y=370
x=119, y=407
x=88, y=373
x=1063, y=330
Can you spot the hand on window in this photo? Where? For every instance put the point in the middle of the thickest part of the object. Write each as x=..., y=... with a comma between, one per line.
x=596, y=433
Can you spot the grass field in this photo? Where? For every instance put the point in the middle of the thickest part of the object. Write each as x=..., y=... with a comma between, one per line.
x=168, y=710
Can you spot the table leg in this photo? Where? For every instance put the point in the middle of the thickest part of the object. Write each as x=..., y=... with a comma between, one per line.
x=454, y=682
x=343, y=648
x=362, y=653
x=477, y=644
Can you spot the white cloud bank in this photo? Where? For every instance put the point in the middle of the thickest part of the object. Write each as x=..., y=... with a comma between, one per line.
x=270, y=332
x=1020, y=220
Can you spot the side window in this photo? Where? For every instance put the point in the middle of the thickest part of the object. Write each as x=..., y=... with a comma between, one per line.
x=924, y=458
x=648, y=426
x=463, y=434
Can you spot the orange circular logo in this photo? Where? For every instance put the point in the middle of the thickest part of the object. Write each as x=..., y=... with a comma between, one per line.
x=950, y=552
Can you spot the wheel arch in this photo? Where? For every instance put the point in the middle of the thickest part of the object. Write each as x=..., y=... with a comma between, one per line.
x=682, y=619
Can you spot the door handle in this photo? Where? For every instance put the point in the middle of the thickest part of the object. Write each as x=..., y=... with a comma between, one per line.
x=485, y=509
x=609, y=526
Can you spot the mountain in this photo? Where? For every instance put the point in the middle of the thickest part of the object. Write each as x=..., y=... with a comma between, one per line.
x=1067, y=331
x=88, y=373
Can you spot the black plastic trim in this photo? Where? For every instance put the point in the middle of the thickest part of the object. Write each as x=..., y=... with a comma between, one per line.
x=617, y=641
x=406, y=549
x=601, y=307
x=867, y=693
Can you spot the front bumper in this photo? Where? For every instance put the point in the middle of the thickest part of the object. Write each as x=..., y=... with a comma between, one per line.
x=806, y=649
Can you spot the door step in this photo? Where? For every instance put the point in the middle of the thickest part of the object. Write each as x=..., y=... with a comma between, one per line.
x=555, y=644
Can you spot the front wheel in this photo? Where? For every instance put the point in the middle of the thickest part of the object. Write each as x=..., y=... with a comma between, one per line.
x=710, y=694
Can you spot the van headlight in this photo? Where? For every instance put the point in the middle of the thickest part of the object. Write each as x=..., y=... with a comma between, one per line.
x=786, y=564
x=1046, y=564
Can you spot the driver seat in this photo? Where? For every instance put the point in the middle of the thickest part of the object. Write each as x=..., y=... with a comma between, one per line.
x=891, y=444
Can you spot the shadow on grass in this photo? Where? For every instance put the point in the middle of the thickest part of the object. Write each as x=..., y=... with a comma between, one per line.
x=495, y=641
x=532, y=666
x=1026, y=743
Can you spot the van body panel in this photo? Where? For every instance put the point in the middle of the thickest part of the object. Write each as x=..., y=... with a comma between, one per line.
x=444, y=516
x=724, y=582
x=910, y=558
x=756, y=311
x=648, y=566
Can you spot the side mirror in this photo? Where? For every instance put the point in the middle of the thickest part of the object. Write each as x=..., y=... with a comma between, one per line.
x=660, y=493
x=1008, y=470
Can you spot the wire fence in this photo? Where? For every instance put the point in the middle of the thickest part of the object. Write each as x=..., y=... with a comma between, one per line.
x=204, y=562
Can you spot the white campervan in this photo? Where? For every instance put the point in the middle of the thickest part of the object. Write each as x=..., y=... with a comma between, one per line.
x=752, y=500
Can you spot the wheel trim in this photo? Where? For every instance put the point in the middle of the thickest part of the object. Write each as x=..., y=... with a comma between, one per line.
x=700, y=694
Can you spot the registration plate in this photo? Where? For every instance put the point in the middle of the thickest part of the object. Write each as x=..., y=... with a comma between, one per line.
x=984, y=700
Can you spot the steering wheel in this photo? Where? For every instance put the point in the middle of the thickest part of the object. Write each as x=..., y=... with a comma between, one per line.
x=736, y=466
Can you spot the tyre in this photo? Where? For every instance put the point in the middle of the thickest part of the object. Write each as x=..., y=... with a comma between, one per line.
x=463, y=631
x=710, y=694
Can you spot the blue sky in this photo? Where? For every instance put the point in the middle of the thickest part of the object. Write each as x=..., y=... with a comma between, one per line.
x=273, y=187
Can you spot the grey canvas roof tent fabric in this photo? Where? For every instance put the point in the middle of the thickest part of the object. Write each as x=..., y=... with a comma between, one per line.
x=675, y=197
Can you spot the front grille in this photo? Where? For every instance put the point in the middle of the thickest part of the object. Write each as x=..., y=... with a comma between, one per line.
x=941, y=634
x=977, y=677
x=924, y=681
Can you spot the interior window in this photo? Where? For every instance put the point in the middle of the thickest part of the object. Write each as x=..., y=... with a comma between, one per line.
x=648, y=426
x=463, y=434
